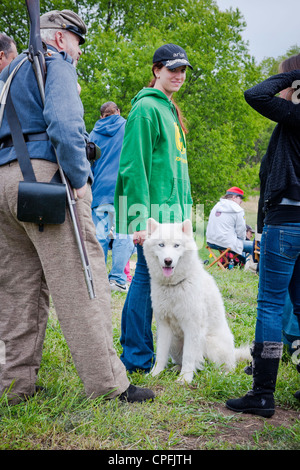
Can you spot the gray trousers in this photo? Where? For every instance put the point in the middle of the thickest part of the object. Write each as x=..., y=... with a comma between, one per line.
x=31, y=262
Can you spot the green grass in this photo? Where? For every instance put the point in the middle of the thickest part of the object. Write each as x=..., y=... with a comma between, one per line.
x=181, y=417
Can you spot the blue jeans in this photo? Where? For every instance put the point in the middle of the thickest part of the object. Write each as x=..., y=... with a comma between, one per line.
x=122, y=248
x=290, y=326
x=136, y=333
x=279, y=274
x=248, y=246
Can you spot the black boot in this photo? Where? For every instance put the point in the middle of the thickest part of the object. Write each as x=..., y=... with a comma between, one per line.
x=138, y=394
x=260, y=400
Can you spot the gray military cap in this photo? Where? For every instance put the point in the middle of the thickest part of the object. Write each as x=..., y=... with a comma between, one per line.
x=65, y=19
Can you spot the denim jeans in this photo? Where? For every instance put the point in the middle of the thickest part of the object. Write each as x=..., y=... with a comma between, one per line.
x=136, y=333
x=248, y=246
x=122, y=248
x=279, y=274
x=290, y=325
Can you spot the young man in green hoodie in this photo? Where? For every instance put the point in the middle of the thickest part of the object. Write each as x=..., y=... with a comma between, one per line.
x=153, y=181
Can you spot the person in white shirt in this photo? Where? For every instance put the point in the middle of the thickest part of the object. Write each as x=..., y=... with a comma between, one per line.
x=226, y=224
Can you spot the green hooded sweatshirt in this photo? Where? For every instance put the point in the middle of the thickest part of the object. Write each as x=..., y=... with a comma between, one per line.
x=153, y=179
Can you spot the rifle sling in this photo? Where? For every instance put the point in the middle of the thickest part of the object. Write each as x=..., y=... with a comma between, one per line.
x=19, y=141
x=20, y=144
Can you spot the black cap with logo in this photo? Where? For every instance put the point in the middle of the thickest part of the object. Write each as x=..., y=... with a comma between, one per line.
x=171, y=56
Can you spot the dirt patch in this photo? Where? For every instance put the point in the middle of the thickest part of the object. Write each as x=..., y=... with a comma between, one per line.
x=240, y=430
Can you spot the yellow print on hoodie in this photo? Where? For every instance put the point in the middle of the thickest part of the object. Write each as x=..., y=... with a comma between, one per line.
x=179, y=139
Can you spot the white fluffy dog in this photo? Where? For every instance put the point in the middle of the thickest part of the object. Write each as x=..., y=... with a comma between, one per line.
x=187, y=304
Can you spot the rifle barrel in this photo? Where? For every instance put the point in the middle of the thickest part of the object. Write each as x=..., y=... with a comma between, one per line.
x=38, y=62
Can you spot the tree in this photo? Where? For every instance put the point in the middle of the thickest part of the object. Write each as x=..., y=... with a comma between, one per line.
x=116, y=64
x=14, y=19
x=223, y=129
x=270, y=65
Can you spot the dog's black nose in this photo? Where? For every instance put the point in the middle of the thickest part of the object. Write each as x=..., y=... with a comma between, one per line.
x=168, y=261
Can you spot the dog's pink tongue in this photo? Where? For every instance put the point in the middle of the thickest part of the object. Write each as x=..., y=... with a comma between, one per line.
x=167, y=271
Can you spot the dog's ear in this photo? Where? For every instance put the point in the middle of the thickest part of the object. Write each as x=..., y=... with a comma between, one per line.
x=151, y=225
x=187, y=227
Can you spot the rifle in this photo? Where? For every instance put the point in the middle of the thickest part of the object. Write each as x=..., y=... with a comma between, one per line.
x=36, y=57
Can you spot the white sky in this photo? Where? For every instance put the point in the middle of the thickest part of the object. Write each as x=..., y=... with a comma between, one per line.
x=273, y=26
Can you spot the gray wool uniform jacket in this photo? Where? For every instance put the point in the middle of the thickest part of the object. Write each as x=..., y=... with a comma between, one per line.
x=61, y=118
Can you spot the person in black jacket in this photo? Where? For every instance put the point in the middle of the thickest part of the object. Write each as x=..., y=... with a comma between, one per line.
x=279, y=223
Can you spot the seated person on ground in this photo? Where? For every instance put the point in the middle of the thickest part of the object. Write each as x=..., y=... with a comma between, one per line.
x=226, y=225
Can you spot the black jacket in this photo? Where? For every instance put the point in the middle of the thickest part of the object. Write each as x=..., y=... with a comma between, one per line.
x=280, y=167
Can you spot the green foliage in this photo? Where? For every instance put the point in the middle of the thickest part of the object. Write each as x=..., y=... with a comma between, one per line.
x=226, y=138
x=223, y=130
x=14, y=19
x=270, y=65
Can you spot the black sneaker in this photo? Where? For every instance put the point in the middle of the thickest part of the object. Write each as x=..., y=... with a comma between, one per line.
x=138, y=394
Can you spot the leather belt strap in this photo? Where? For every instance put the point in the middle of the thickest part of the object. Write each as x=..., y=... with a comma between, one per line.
x=8, y=141
x=19, y=142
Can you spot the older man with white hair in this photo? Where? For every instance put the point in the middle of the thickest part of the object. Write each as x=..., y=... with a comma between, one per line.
x=33, y=261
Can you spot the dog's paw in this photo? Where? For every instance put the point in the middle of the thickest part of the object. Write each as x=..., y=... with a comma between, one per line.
x=185, y=378
x=155, y=371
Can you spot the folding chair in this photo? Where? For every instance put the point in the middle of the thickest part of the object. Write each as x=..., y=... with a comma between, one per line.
x=222, y=263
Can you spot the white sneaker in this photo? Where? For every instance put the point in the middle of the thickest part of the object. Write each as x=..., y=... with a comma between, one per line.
x=114, y=285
